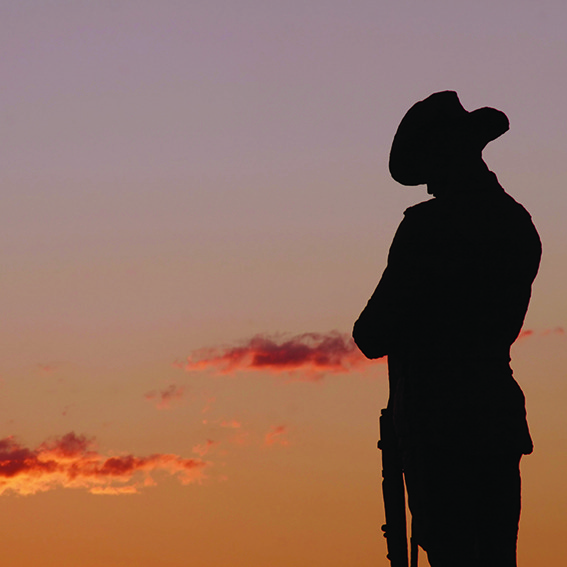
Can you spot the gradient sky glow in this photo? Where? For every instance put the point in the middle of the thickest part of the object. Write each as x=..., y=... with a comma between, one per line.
x=181, y=178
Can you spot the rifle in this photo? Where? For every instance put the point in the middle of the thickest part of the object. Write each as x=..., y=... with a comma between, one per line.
x=394, y=495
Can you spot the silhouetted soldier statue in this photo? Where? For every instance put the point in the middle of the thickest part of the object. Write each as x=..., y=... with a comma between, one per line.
x=449, y=305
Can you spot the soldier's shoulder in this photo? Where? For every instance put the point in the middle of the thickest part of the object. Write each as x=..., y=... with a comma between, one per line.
x=515, y=211
x=518, y=208
x=505, y=200
x=515, y=221
x=421, y=209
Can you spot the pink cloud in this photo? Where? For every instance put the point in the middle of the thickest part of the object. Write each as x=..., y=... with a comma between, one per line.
x=164, y=398
x=71, y=461
x=276, y=436
x=309, y=354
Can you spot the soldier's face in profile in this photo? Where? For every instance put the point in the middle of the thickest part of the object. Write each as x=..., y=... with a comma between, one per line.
x=448, y=166
x=441, y=168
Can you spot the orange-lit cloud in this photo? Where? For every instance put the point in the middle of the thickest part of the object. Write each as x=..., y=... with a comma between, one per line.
x=164, y=398
x=276, y=436
x=204, y=448
x=309, y=355
x=72, y=462
x=525, y=334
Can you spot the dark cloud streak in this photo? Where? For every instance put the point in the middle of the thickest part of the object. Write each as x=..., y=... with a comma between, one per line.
x=310, y=355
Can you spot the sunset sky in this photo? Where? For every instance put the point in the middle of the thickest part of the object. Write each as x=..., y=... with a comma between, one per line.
x=195, y=206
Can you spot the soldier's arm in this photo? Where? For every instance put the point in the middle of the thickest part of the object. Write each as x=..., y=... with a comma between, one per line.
x=379, y=329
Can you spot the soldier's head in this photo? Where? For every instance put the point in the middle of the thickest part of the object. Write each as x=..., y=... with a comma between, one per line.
x=438, y=141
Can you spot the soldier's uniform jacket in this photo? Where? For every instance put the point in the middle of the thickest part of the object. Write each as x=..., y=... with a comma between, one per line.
x=449, y=305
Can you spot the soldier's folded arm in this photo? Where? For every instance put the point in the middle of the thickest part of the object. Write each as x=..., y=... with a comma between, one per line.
x=378, y=330
x=374, y=331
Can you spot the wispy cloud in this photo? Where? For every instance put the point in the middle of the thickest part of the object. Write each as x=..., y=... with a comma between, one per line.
x=309, y=355
x=231, y=424
x=555, y=331
x=210, y=401
x=525, y=333
x=164, y=398
x=276, y=436
x=72, y=461
x=204, y=448
x=48, y=367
